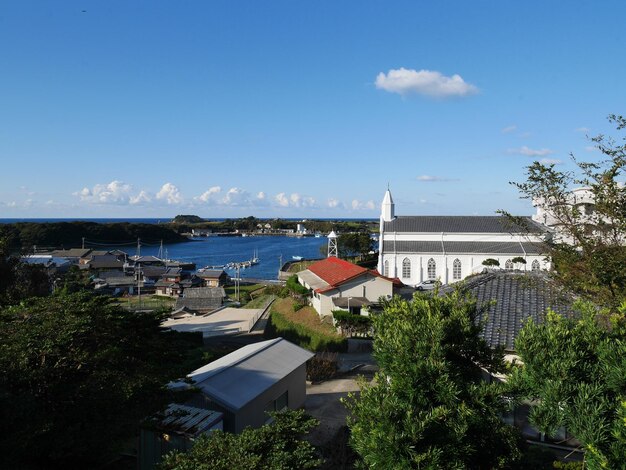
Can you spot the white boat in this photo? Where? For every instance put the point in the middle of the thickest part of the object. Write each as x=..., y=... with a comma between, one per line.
x=297, y=258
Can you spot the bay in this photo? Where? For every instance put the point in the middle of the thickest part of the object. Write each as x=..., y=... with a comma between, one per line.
x=215, y=251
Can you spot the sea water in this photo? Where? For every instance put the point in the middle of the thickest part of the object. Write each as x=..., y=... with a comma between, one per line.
x=218, y=251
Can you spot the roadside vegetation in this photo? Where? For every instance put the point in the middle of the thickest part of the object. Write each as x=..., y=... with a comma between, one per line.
x=303, y=327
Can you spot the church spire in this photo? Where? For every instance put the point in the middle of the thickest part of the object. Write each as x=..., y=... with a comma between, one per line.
x=387, y=212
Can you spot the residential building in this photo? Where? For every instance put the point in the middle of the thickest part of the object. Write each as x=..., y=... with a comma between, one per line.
x=338, y=284
x=201, y=300
x=214, y=277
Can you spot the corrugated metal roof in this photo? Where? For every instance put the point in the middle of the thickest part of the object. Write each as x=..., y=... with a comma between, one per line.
x=204, y=293
x=312, y=280
x=456, y=247
x=237, y=378
x=188, y=420
x=457, y=224
x=335, y=271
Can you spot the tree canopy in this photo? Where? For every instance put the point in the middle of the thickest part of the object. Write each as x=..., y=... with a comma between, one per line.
x=588, y=249
x=77, y=373
x=354, y=244
x=574, y=371
x=429, y=405
x=277, y=446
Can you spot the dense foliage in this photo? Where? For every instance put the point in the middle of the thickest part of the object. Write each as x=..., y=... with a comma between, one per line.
x=352, y=324
x=277, y=446
x=588, y=253
x=295, y=287
x=18, y=280
x=354, y=244
x=575, y=372
x=429, y=405
x=77, y=374
x=25, y=235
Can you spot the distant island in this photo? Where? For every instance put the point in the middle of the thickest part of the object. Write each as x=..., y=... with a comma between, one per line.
x=24, y=236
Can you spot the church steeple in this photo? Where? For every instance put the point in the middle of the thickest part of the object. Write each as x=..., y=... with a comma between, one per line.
x=387, y=212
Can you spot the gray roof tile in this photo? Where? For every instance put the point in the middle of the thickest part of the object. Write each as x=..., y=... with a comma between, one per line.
x=457, y=224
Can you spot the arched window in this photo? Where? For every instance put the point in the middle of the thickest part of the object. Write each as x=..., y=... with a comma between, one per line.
x=456, y=270
x=535, y=266
x=386, y=269
x=406, y=268
x=432, y=269
x=508, y=264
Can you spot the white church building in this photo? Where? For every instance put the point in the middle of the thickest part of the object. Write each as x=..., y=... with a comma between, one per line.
x=450, y=248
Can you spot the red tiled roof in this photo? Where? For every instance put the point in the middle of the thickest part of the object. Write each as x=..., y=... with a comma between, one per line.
x=335, y=271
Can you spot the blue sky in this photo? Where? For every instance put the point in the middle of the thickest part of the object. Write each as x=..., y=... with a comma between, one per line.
x=297, y=109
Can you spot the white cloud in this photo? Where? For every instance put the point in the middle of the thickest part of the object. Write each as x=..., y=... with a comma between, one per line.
x=334, y=203
x=282, y=200
x=584, y=130
x=236, y=197
x=550, y=161
x=170, y=193
x=531, y=152
x=509, y=129
x=424, y=82
x=358, y=205
x=142, y=198
x=209, y=195
x=115, y=192
x=294, y=200
x=430, y=179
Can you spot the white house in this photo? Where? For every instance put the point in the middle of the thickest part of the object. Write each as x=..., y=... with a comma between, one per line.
x=450, y=248
x=340, y=285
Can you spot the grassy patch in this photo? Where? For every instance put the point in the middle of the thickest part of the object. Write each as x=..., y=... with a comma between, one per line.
x=303, y=328
x=146, y=302
x=299, y=266
x=258, y=302
x=230, y=290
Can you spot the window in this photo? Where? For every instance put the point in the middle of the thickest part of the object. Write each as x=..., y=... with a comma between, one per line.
x=456, y=269
x=406, y=267
x=535, y=266
x=276, y=405
x=386, y=269
x=432, y=269
x=508, y=264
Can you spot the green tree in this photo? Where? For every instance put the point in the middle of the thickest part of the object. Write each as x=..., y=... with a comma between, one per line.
x=277, y=446
x=491, y=262
x=574, y=370
x=429, y=405
x=588, y=250
x=354, y=244
x=19, y=280
x=77, y=374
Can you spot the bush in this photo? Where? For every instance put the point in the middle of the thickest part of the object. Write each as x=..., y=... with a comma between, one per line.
x=322, y=367
x=491, y=262
x=279, y=325
x=351, y=324
x=295, y=287
x=297, y=306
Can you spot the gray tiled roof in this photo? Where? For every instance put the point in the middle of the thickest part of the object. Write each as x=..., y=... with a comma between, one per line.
x=518, y=296
x=198, y=304
x=451, y=247
x=204, y=293
x=457, y=224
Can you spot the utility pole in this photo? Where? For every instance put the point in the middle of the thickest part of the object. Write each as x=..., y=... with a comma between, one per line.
x=138, y=247
x=83, y=243
x=138, y=274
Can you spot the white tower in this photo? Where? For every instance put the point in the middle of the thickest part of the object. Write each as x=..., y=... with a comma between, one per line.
x=332, y=244
x=387, y=214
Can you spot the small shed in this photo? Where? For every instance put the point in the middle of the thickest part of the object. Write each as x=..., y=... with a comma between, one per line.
x=247, y=384
x=201, y=299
